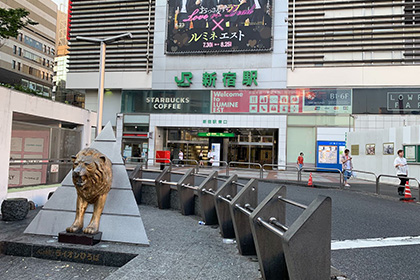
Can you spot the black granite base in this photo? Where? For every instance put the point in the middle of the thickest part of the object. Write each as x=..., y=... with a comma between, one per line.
x=58, y=252
x=79, y=238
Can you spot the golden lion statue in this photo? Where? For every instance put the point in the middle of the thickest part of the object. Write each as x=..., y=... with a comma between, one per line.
x=92, y=177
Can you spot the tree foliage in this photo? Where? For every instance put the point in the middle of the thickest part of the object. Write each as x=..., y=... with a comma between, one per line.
x=12, y=20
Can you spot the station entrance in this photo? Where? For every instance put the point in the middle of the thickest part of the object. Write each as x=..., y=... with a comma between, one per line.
x=236, y=144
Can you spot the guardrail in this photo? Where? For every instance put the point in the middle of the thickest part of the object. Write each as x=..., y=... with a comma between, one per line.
x=284, y=252
x=299, y=251
x=246, y=163
x=309, y=169
x=396, y=177
x=282, y=166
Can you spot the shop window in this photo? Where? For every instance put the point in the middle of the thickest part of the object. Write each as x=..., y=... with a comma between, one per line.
x=25, y=83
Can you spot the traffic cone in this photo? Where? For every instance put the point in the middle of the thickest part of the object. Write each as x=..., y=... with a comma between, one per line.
x=407, y=194
x=310, y=180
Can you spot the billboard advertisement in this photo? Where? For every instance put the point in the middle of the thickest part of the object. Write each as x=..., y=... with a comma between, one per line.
x=287, y=101
x=212, y=26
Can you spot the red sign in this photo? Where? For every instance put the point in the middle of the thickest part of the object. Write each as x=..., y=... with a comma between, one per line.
x=257, y=101
x=163, y=156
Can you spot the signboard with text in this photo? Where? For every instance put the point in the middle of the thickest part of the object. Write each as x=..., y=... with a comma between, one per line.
x=257, y=101
x=165, y=101
x=287, y=101
x=203, y=26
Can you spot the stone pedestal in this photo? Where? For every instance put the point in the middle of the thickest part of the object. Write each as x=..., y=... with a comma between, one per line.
x=79, y=238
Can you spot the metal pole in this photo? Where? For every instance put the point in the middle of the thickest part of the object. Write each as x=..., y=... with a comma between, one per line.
x=101, y=88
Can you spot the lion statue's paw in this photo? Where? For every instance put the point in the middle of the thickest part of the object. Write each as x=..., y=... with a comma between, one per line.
x=74, y=228
x=90, y=230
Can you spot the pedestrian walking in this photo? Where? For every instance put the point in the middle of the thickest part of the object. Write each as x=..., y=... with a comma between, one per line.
x=200, y=159
x=400, y=163
x=181, y=157
x=346, y=161
x=300, y=161
x=210, y=157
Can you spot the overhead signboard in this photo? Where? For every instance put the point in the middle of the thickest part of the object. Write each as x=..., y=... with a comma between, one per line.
x=215, y=134
x=286, y=101
x=165, y=101
x=257, y=101
x=203, y=26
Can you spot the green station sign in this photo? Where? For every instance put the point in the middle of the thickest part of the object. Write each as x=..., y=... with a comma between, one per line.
x=215, y=134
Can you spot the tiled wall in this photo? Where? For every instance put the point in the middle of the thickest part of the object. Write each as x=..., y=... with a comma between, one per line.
x=369, y=122
x=229, y=121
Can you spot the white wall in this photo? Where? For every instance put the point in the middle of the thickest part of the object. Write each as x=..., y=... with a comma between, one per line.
x=271, y=66
x=233, y=121
x=118, y=80
x=112, y=105
x=379, y=163
x=371, y=76
x=14, y=101
x=331, y=133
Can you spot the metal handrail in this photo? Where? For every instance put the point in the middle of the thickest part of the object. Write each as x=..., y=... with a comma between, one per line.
x=282, y=165
x=396, y=177
x=246, y=163
x=177, y=161
x=365, y=172
x=321, y=168
x=38, y=161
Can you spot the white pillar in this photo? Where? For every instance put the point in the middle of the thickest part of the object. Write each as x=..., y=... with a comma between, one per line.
x=6, y=116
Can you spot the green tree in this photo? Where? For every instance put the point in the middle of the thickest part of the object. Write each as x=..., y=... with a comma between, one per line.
x=12, y=20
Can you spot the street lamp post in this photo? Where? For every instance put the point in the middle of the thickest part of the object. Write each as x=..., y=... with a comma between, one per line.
x=103, y=42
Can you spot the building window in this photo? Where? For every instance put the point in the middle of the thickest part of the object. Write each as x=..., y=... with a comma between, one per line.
x=14, y=49
x=20, y=52
x=52, y=51
x=42, y=75
x=46, y=76
x=20, y=37
x=33, y=43
x=18, y=64
x=48, y=63
x=49, y=50
x=13, y=64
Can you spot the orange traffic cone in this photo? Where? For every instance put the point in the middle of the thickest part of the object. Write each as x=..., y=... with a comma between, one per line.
x=407, y=194
x=310, y=180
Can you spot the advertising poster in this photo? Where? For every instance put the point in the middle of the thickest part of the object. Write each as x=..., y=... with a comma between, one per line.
x=328, y=101
x=327, y=154
x=257, y=101
x=215, y=153
x=205, y=26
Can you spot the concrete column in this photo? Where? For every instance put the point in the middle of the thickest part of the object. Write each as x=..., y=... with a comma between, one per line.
x=119, y=129
x=6, y=117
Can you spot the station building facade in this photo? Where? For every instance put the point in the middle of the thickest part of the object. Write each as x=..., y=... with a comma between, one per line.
x=258, y=82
